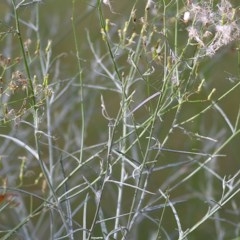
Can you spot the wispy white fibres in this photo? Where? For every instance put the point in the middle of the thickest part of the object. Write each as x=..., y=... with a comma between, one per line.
x=149, y=4
x=107, y=2
x=212, y=29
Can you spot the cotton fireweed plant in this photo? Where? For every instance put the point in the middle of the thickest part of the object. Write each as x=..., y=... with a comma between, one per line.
x=136, y=141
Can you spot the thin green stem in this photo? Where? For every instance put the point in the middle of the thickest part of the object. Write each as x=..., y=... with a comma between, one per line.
x=30, y=92
x=76, y=43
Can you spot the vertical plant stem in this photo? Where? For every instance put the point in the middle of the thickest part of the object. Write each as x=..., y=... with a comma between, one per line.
x=30, y=91
x=76, y=43
x=120, y=188
x=31, y=95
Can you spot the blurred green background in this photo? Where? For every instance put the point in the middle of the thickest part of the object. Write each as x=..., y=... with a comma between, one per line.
x=219, y=71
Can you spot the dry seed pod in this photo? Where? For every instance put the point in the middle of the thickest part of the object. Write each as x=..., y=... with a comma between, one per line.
x=19, y=81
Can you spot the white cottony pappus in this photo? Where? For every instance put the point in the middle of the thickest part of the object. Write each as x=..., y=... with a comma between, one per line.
x=186, y=17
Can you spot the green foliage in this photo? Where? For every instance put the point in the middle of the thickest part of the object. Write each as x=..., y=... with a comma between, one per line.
x=119, y=120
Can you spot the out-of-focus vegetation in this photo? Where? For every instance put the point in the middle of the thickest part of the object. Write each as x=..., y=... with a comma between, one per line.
x=119, y=119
